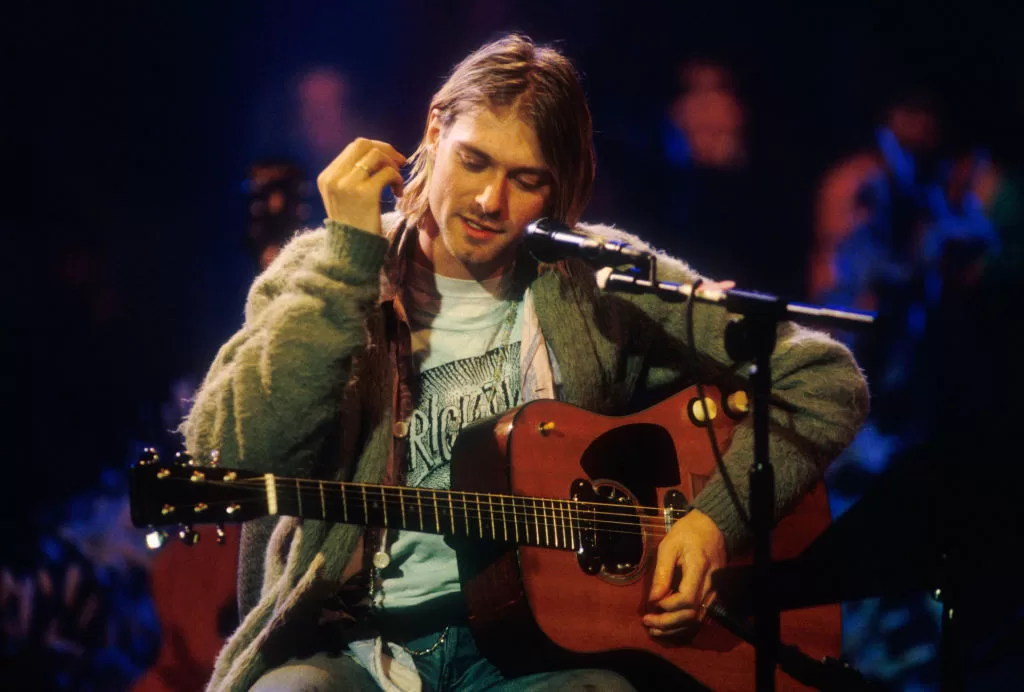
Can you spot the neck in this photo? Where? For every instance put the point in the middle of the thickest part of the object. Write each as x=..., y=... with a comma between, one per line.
x=427, y=253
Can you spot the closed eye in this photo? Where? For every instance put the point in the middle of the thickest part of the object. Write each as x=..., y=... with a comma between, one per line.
x=473, y=163
x=531, y=182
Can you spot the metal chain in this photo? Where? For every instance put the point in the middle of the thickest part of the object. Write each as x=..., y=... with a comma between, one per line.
x=431, y=649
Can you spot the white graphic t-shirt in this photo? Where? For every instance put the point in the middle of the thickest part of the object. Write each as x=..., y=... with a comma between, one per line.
x=466, y=350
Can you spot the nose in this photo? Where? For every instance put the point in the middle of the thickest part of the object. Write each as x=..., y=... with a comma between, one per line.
x=491, y=199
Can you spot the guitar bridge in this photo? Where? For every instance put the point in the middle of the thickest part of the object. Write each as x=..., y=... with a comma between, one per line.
x=676, y=507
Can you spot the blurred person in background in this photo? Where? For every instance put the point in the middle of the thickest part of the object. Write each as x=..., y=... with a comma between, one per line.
x=975, y=345
x=706, y=194
x=712, y=193
x=909, y=229
x=279, y=205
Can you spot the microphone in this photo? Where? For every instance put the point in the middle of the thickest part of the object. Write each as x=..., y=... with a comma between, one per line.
x=549, y=240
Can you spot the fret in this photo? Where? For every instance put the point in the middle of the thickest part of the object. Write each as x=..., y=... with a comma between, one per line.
x=555, y=521
x=536, y=522
x=504, y=521
x=563, y=507
x=419, y=505
x=479, y=515
x=366, y=507
x=437, y=516
x=323, y=501
x=490, y=505
x=562, y=523
x=383, y=507
x=544, y=510
x=344, y=505
x=298, y=495
x=572, y=531
x=451, y=511
x=515, y=519
x=401, y=505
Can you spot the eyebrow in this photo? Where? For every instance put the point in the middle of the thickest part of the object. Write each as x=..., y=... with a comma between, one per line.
x=519, y=170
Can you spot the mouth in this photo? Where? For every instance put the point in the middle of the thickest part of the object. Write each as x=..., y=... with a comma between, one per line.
x=477, y=229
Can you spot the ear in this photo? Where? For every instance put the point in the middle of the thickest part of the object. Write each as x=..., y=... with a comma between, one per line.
x=434, y=128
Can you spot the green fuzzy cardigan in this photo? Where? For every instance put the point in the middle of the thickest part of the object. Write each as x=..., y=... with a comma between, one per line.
x=304, y=388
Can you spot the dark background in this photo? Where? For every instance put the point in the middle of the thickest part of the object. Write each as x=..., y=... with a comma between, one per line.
x=131, y=126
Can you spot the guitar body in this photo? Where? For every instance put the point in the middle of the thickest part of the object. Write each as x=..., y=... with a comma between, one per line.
x=526, y=593
x=192, y=587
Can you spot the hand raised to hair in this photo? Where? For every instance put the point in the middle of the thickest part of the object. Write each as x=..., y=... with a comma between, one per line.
x=352, y=183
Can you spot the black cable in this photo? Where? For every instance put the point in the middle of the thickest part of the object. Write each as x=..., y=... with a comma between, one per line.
x=719, y=462
x=826, y=674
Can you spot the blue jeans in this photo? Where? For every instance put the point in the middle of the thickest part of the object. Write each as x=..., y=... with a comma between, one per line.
x=455, y=665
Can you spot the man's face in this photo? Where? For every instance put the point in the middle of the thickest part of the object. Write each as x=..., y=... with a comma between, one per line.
x=489, y=180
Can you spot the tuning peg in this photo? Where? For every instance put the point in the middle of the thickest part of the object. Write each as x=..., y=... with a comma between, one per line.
x=184, y=458
x=148, y=456
x=187, y=535
x=221, y=536
x=155, y=539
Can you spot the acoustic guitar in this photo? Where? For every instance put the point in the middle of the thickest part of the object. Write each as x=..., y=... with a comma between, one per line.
x=564, y=510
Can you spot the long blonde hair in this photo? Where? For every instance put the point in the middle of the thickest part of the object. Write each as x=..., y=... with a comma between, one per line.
x=539, y=84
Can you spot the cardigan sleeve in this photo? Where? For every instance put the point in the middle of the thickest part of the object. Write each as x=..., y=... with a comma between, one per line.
x=820, y=399
x=277, y=383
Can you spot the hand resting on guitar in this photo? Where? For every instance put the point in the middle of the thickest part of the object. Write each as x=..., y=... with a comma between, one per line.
x=687, y=556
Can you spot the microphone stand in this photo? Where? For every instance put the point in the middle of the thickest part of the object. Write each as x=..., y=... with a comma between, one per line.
x=751, y=337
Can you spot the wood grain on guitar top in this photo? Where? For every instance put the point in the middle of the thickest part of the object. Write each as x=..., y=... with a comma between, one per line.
x=515, y=594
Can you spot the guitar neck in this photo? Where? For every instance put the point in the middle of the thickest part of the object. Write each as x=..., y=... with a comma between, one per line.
x=549, y=523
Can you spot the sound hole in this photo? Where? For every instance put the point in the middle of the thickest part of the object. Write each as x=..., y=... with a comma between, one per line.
x=620, y=536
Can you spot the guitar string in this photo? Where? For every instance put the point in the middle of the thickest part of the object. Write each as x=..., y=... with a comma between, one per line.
x=462, y=498
x=472, y=511
x=469, y=511
x=313, y=486
x=654, y=529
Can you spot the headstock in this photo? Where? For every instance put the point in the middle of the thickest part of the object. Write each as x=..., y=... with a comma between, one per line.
x=184, y=493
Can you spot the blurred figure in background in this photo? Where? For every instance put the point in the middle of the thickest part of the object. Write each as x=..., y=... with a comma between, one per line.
x=707, y=192
x=872, y=213
x=709, y=119
x=279, y=205
x=76, y=609
x=905, y=229
x=309, y=115
x=975, y=344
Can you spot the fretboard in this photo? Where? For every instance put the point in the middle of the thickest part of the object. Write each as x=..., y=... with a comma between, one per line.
x=551, y=523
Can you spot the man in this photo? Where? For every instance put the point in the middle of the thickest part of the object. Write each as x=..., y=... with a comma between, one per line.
x=359, y=327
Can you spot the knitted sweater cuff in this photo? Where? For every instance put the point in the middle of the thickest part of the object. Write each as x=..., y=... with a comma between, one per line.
x=715, y=502
x=361, y=252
